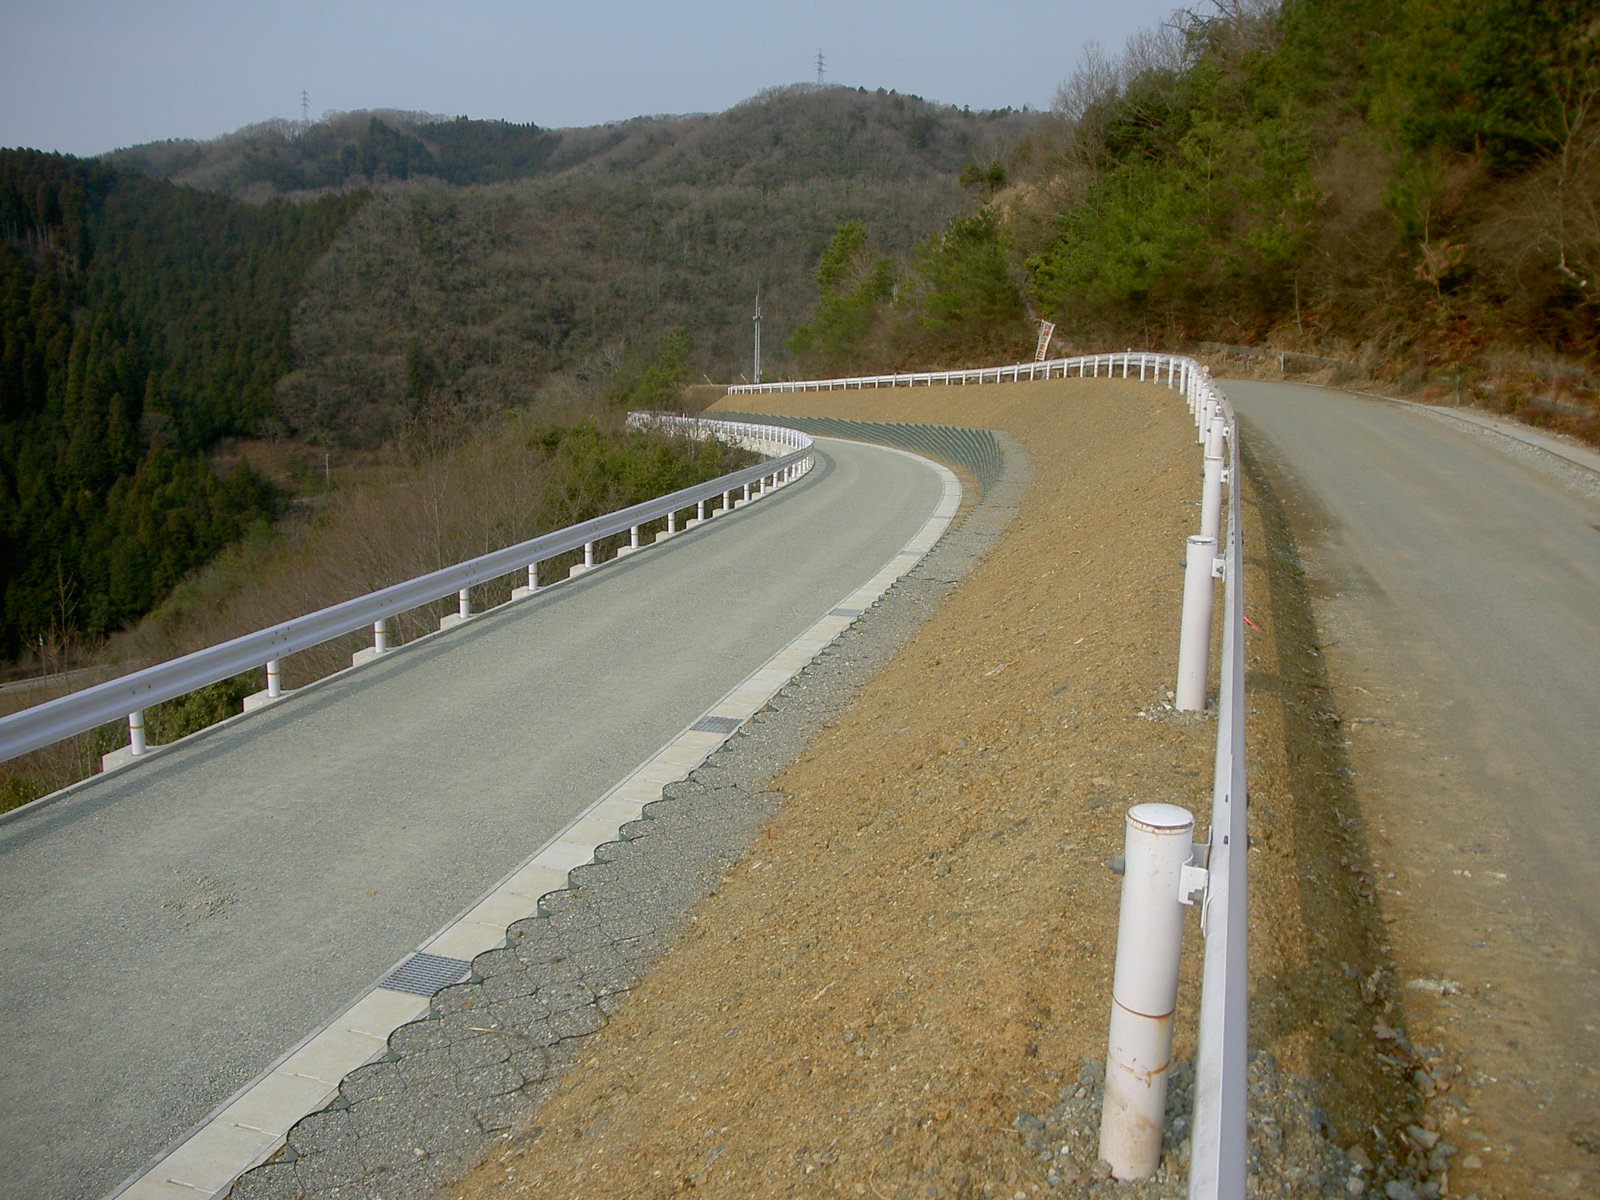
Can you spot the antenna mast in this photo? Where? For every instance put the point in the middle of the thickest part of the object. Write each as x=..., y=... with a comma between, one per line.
x=758, y=334
x=821, y=63
x=305, y=110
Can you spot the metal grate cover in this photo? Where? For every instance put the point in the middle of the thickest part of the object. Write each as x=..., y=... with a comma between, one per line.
x=424, y=974
x=711, y=724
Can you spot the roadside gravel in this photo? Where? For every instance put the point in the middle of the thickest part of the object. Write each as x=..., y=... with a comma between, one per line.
x=896, y=989
x=866, y=950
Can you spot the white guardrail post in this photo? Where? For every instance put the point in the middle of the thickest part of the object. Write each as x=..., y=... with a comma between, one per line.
x=1218, y=1143
x=129, y=696
x=1159, y=845
x=1217, y=1163
x=1194, y=637
x=1211, y=498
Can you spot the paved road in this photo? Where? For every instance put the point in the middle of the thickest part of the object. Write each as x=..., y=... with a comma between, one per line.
x=168, y=932
x=1459, y=591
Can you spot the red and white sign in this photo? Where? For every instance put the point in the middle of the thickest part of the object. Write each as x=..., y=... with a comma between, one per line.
x=1047, y=330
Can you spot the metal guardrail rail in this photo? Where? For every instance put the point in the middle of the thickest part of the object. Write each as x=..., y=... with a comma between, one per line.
x=1217, y=1164
x=1218, y=1145
x=1088, y=365
x=976, y=450
x=47, y=723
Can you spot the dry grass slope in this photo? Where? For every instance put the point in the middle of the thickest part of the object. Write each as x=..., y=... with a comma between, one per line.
x=920, y=944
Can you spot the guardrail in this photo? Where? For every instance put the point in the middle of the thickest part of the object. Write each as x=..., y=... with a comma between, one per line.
x=1217, y=1164
x=1086, y=366
x=1218, y=1145
x=129, y=695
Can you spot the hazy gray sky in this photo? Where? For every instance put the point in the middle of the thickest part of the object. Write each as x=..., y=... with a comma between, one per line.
x=86, y=76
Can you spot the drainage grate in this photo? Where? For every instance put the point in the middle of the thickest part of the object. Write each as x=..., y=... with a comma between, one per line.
x=716, y=724
x=424, y=974
x=846, y=612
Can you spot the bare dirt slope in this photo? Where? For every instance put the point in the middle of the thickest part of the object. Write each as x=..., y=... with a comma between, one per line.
x=919, y=946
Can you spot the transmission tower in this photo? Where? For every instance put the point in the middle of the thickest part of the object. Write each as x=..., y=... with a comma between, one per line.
x=821, y=64
x=305, y=110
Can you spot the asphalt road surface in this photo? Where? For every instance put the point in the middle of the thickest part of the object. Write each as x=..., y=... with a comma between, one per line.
x=1458, y=593
x=169, y=931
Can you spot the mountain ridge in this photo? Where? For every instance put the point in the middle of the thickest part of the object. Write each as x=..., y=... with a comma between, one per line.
x=831, y=131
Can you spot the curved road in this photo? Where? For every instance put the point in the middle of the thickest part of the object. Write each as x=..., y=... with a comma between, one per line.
x=1458, y=593
x=169, y=931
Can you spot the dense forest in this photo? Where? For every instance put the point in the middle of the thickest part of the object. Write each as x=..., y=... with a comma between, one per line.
x=443, y=303
x=375, y=288
x=139, y=323
x=1406, y=188
x=1411, y=188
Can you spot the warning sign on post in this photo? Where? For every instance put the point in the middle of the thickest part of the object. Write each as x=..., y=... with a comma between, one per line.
x=1047, y=330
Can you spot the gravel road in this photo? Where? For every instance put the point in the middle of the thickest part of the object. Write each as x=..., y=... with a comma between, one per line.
x=1457, y=584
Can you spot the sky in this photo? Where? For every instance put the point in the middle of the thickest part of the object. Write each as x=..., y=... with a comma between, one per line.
x=87, y=76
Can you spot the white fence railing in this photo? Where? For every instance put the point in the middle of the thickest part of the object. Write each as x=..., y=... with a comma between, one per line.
x=1132, y=363
x=1218, y=1143
x=128, y=696
x=1218, y=1146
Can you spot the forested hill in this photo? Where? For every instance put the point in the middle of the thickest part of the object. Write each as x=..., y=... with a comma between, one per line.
x=379, y=283
x=1409, y=188
x=796, y=134
x=139, y=323
x=627, y=244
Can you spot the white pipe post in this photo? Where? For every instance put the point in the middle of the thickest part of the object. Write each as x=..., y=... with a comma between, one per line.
x=1159, y=842
x=274, y=680
x=1194, y=638
x=136, y=744
x=380, y=634
x=700, y=511
x=1211, y=499
x=588, y=554
x=633, y=538
x=1216, y=435
x=672, y=521
x=464, y=603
